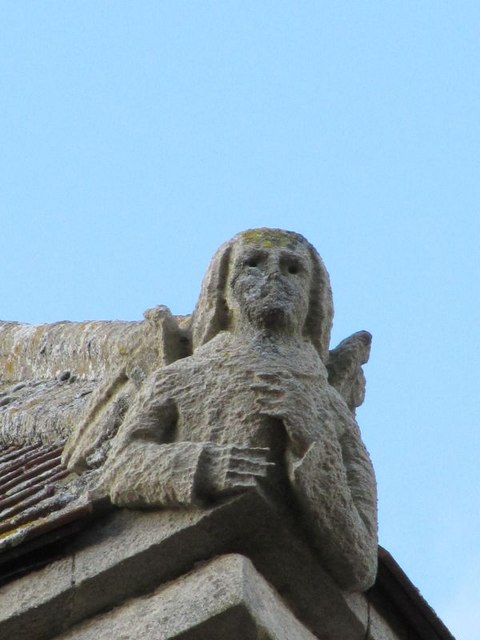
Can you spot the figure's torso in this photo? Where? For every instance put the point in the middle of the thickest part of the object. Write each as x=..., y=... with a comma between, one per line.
x=214, y=391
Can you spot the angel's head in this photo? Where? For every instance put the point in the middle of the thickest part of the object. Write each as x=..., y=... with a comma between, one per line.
x=268, y=279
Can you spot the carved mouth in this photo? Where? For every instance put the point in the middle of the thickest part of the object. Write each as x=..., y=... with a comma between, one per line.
x=273, y=315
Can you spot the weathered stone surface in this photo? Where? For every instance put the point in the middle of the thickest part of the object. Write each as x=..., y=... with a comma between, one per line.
x=380, y=629
x=246, y=445
x=344, y=367
x=254, y=406
x=55, y=377
x=37, y=608
x=88, y=350
x=131, y=553
x=226, y=598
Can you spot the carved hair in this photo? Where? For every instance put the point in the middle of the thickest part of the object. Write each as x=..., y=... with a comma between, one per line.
x=212, y=314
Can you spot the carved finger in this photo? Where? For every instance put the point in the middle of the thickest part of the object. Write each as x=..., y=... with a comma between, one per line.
x=274, y=376
x=239, y=479
x=251, y=458
x=260, y=452
x=267, y=389
x=271, y=406
x=257, y=467
x=270, y=401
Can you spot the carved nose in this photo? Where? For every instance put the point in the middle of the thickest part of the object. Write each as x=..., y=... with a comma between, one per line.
x=274, y=274
x=270, y=282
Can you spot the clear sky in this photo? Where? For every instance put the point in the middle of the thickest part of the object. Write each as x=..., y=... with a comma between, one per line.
x=137, y=136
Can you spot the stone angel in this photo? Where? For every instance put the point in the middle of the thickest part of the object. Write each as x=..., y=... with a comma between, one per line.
x=260, y=402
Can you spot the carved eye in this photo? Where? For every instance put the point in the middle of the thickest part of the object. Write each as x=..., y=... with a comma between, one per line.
x=292, y=266
x=251, y=262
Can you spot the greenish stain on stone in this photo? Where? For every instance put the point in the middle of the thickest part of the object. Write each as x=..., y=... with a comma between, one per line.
x=269, y=238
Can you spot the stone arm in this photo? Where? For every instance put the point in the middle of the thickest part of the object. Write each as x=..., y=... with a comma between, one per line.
x=144, y=467
x=148, y=467
x=330, y=473
x=335, y=484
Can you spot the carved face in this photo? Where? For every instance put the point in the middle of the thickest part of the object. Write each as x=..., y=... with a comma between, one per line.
x=269, y=283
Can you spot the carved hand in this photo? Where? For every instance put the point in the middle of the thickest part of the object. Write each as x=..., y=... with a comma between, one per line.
x=282, y=396
x=231, y=469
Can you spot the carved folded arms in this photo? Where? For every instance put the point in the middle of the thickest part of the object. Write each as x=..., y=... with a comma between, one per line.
x=182, y=474
x=326, y=462
x=149, y=467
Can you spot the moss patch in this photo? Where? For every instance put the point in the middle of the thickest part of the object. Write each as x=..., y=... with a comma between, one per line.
x=269, y=238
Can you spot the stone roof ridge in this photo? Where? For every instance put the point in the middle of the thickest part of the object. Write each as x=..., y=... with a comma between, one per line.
x=49, y=371
x=89, y=350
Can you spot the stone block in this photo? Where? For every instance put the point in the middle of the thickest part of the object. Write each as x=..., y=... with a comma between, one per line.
x=225, y=598
x=129, y=553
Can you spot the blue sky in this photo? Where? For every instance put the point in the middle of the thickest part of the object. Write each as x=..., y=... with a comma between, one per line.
x=136, y=137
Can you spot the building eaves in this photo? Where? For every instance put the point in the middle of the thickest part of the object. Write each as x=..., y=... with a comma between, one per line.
x=393, y=590
x=41, y=509
x=39, y=505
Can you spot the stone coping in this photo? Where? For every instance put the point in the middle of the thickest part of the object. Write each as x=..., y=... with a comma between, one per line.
x=130, y=553
x=224, y=598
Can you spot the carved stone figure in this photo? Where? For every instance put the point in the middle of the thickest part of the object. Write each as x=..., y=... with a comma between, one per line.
x=253, y=408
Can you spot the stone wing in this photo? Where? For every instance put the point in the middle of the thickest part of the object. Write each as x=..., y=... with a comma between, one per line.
x=72, y=381
x=344, y=367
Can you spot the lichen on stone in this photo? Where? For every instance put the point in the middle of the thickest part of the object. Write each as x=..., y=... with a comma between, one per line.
x=269, y=238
